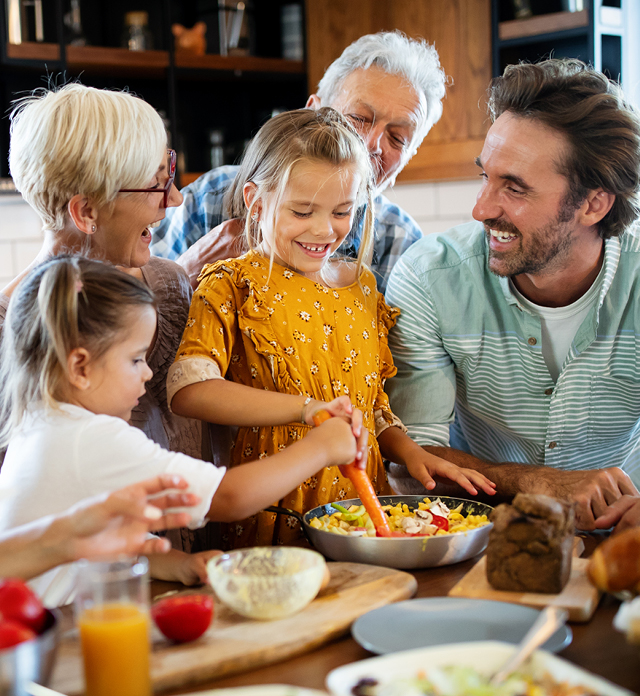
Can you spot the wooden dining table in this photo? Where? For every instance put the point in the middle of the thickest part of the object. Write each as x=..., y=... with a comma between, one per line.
x=596, y=645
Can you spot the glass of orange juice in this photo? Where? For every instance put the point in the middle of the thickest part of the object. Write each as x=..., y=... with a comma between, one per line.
x=112, y=613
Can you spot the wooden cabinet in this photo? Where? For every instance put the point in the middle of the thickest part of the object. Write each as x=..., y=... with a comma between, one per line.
x=461, y=32
x=234, y=93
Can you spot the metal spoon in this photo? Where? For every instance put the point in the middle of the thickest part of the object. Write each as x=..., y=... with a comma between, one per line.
x=549, y=621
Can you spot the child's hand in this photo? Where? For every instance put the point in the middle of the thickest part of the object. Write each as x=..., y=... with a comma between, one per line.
x=178, y=566
x=336, y=437
x=193, y=571
x=343, y=408
x=424, y=466
x=340, y=407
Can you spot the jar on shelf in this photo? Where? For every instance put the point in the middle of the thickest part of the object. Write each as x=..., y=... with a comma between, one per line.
x=292, y=32
x=73, y=23
x=136, y=35
x=216, y=138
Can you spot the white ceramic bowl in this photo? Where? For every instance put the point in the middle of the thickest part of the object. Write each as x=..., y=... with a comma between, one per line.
x=267, y=582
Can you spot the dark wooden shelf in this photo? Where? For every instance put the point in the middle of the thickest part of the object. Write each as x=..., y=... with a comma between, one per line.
x=242, y=63
x=114, y=59
x=33, y=51
x=109, y=60
x=542, y=24
x=95, y=59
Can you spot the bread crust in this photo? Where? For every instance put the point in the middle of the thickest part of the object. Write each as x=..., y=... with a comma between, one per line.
x=530, y=545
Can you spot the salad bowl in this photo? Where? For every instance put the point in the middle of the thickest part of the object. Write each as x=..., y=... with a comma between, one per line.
x=397, y=552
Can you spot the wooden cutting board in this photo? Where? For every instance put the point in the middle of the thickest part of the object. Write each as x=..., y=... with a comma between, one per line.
x=579, y=597
x=234, y=644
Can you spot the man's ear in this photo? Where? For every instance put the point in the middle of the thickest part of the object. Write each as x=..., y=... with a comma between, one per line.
x=313, y=102
x=595, y=206
x=83, y=213
x=78, y=369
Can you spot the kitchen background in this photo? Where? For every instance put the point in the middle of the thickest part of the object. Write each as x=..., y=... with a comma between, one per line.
x=272, y=55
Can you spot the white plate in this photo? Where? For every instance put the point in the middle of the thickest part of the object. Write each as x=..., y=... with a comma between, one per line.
x=485, y=656
x=419, y=623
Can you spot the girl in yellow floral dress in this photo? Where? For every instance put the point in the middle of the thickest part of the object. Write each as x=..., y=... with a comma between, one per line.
x=292, y=327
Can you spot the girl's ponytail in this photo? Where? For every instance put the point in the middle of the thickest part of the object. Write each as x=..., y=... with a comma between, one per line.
x=65, y=303
x=56, y=321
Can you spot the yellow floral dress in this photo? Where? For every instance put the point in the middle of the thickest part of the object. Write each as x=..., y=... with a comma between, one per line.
x=284, y=332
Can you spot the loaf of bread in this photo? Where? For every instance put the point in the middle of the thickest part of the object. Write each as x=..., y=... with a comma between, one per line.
x=615, y=564
x=530, y=545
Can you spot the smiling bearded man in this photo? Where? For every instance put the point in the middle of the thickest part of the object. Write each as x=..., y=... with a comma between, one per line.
x=517, y=347
x=551, y=245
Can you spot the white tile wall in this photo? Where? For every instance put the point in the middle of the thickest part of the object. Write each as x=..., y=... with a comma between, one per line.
x=435, y=206
x=20, y=236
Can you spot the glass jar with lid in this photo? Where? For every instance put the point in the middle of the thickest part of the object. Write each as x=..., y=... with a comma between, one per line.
x=136, y=35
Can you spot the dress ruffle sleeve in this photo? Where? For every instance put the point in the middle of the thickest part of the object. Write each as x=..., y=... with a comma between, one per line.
x=186, y=371
x=211, y=326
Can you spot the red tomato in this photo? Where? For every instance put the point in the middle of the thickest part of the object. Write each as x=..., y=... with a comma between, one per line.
x=13, y=632
x=19, y=603
x=440, y=522
x=183, y=618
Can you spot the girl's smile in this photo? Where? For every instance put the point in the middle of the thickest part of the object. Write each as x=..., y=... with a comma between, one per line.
x=315, y=250
x=313, y=218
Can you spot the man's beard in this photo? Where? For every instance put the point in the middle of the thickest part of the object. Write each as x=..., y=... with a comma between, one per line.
x=546, y=249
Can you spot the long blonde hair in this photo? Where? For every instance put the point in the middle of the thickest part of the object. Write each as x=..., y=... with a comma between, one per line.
x=321, y=135
x=65, y=303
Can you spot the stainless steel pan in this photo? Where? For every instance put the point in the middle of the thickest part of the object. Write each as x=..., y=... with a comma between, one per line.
x=396, y=552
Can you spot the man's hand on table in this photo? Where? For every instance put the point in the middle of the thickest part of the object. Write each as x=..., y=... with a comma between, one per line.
x=594, y=492
x=223, y=242
x=624, y=513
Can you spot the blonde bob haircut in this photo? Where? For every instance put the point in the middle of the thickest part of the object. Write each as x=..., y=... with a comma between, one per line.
x=309, y=135
x=81, y=140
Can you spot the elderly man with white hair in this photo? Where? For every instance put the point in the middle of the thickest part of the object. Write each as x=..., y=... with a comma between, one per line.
x=391, y=88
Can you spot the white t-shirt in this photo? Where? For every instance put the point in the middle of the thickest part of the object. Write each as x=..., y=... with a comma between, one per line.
x=559, y=325
x=60, y=457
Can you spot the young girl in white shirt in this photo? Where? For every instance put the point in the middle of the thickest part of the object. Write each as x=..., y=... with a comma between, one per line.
x=72, y=366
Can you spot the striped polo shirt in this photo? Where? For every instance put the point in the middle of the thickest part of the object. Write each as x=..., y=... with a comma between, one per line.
x=471, y=374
